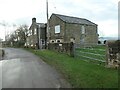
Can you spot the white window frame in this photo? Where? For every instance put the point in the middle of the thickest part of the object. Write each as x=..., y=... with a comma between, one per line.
x=57, y=29
x=83, y=29
x=35, y=31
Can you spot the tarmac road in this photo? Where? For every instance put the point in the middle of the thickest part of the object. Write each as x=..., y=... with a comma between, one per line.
x=22, y=69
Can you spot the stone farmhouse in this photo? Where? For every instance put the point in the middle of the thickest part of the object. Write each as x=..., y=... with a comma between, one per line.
x=66, y=29
x=36, y=35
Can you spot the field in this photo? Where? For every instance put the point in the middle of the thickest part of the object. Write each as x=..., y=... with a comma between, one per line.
x=78, y=72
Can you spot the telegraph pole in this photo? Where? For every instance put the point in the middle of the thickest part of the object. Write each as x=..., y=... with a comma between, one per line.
x=47, y=9
x=47, y=22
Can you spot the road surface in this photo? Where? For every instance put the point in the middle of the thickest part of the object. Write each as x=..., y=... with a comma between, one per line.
x=22, y=69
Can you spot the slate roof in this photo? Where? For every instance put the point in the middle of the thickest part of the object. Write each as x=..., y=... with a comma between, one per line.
x=74, y=20
x=41, y=24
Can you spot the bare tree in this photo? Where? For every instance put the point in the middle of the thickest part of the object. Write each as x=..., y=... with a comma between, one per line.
x=22, y=34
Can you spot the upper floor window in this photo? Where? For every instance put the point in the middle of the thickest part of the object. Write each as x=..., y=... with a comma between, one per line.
x=30, y=32
x=83, y=29
x=57, y=29
x=35, y=31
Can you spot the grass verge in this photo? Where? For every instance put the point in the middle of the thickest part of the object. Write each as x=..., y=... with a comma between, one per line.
x=79, y=73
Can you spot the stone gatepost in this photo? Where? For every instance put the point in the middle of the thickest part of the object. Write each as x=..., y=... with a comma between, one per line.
x=72, y=49
x=113, y=53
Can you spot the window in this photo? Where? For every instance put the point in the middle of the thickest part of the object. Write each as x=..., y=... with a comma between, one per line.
x=43, y=42
x=83, y=29
x=58, y=41
x=30, y=32
x=52, y=41
x=57, y=29
x=35, y=31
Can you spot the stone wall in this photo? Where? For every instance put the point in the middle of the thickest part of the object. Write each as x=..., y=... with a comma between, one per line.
x=67, y=48
x=113, y=53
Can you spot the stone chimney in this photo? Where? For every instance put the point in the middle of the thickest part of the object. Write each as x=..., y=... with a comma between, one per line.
x=33, y=20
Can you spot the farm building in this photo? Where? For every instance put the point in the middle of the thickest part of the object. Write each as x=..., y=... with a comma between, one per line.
x=66, y=29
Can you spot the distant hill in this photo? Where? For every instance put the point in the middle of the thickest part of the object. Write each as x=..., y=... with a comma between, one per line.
x=108, y=38
x=103, y=39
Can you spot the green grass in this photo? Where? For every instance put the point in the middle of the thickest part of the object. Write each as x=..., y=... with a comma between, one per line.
x=79, y=73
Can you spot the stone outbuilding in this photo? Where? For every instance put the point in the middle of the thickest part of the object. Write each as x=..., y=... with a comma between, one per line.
x=66, y=29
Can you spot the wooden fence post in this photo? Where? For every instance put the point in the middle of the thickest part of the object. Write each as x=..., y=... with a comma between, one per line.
x=72, y=51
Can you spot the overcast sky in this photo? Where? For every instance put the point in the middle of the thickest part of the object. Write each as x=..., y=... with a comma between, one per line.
x=102, y=12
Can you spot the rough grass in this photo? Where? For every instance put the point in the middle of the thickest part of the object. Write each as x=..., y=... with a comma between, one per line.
x=79, y=73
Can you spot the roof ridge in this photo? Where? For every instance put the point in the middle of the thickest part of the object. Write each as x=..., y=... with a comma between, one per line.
x=72, y=17
x=69, y=16
x=39, y=23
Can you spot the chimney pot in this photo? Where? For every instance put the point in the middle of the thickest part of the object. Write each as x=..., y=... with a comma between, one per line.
x=33, y=20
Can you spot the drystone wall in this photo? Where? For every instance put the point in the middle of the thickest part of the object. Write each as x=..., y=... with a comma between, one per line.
x=113, y=53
